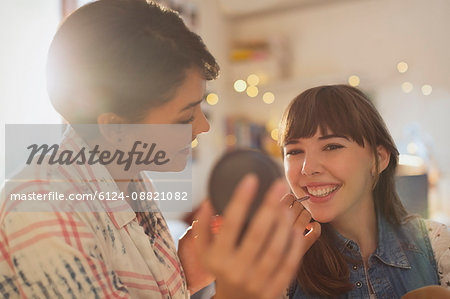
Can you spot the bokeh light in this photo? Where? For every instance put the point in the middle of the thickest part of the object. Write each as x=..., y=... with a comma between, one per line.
x=240, y=85
x=407, y=87
x=402, y=67
x=212, y=99
x=274, y=134
x=194, y=143
x=252, y=80
x=268, y=97
x=354, y=80
x=427, y=89
x=252, y=91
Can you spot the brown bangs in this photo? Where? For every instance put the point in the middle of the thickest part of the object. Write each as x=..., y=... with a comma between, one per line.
x=326, y=107
x=341, y=110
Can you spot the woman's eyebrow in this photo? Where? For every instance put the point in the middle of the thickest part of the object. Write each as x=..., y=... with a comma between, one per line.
x=332, y=136
x=293, y=141
x=188, y=106
x=325, y=137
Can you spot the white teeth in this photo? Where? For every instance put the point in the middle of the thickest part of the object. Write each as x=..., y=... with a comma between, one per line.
x=321, y=191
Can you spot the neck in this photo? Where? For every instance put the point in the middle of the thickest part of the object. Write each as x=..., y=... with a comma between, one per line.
x=360, y=225
x=121, y=177
x=123, y=186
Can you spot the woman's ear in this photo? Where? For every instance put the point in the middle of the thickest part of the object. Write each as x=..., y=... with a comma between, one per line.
x=110, y=126
x=384, y=156
x=109, y=118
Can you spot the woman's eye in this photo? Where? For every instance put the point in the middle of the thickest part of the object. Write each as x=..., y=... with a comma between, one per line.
x=293, y=152
x=331, y=147
x=187, y=121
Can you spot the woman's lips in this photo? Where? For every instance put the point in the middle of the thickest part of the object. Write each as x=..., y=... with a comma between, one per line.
x=321, y=193
x=185, y=151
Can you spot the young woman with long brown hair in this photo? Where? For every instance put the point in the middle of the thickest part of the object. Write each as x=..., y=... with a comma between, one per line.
x=337, y=150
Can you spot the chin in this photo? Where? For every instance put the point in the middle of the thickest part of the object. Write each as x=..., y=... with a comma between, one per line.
x=322, y=217
x=176, y=165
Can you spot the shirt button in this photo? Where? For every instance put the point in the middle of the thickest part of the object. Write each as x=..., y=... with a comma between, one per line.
x=355, y=267
x=358, y=284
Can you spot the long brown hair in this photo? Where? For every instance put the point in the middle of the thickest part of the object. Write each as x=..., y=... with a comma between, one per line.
x=347, y=111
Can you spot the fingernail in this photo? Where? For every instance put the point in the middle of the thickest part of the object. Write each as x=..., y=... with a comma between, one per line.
x=250, y=179
x=216, y=224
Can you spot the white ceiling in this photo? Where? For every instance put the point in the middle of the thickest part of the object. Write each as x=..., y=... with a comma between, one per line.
x=238, y=8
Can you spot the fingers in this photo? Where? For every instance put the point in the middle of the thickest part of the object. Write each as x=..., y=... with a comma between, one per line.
x=265, y=261
x=308, y=240
x=236, y=212
x=288, y=246
x=262, y=224
x=301, y=216
x=224, y=241
x=286, y=270
x=312, y=235
x=201, y=228
x=272, y=245
x=273, y=252
x=188, y=234
x=288, y=200
x=302, y=221
x=290, y=262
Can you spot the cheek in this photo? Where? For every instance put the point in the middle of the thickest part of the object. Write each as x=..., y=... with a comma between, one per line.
x=349, y=166
x=289, y=170
x=356, y=174
x=291, y=173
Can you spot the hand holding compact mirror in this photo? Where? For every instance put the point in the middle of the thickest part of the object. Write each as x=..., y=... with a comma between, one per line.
x=231, y=169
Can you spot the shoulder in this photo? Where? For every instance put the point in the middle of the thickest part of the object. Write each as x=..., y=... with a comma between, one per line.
x=439, y=235
x=20, y=224
x=437, y=229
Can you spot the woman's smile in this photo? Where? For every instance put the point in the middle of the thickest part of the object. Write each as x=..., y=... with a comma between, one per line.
x=321, y=192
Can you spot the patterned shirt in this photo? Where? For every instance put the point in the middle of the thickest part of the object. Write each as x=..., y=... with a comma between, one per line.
x=116, y=253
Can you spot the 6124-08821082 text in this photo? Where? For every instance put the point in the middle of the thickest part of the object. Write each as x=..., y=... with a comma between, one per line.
x=58, y=196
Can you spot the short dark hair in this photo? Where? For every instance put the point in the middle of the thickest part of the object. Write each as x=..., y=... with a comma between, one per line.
x=121, y=56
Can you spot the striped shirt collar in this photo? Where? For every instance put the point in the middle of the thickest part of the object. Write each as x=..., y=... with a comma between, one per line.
x=98, y=179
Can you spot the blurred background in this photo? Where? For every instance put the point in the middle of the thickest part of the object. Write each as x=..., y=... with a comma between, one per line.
x=396, y=51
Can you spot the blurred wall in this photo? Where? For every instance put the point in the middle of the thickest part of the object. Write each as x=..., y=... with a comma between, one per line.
x=336, y=39
x=26, y=30
x=329, y=42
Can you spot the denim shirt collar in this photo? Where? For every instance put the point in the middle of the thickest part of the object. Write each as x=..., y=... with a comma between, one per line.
x=389, y=249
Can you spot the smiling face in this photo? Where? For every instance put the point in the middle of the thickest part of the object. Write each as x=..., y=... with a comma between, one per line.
x=334, y=171
x=318, y=163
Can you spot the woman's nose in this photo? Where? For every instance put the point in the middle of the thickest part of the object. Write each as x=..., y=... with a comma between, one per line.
x=311, y=165
x=202, y=125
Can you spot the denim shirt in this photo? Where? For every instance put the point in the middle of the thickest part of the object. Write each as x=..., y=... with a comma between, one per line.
x=403, y=261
